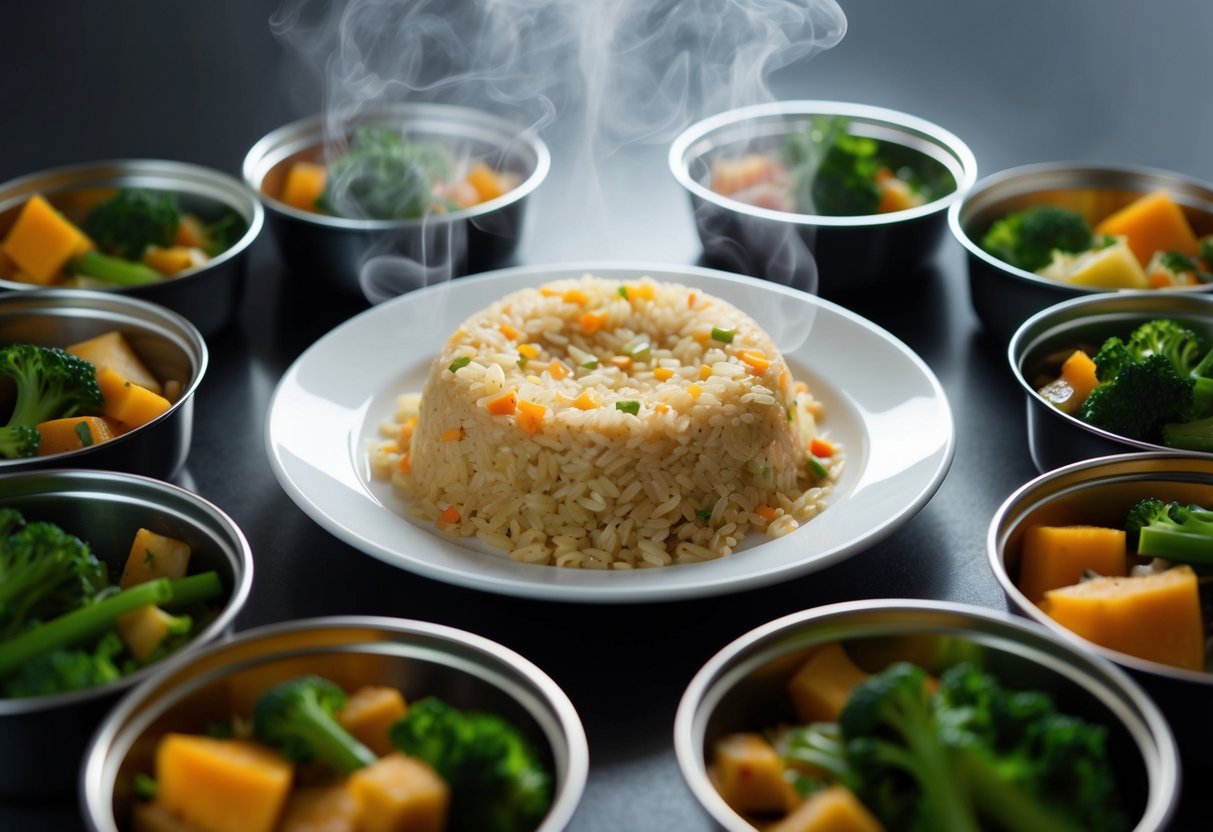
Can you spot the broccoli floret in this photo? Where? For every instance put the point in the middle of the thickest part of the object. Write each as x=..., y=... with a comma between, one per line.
x=299, y=716
x=973, y=755
x=133, y=219
x=44, y=572
x=67, y=669
x=1171, y=530
x=1179, y=344
x=1194, y=435
x=1205, y=250
x=833, y=172
x=1139, y=400
x=384, y=177
x=1027, y=239
x=51, y=384
x=19, y=441
x=498, y=783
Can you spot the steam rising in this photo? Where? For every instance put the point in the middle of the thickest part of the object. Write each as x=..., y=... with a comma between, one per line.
x=591, y=76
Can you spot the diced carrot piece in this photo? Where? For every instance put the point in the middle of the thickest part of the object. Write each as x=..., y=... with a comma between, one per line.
x=558, y=369
x=175, y=259
x=1152, y=223
x=732, y=175
x=403, y=465
x=895, y=195
x=486, y=181
x=821, y=447
x=191, y=233
x=528, y=350
x=576, y=296
x=691, y=300
x=623, y=362
x=509, y=332
x=1079, y=372
x=530, y=416
x=586, y=401
x=766, y=512
x=42, y=240
x=755, y=359
x=127, y=402
x=72, y=433
x=452, y=435
x=591, y=322
x=663, y=373
x=304, y=184
x=406, y=431
x=503, y=405
x=1159, y=280
x=450, y=514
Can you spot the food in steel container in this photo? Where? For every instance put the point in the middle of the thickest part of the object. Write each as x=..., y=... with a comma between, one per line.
x=864, y=189
x=442, y=185
x=1117, y=372
x=363, y=722
x=168, y=232
x=1113, y=553
x=646, y=423
x=1040, y=234
x=96, y=380
x=864, y=715
x=102, y=577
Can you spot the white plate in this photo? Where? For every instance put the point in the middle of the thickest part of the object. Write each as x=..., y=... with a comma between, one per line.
x=882, y=403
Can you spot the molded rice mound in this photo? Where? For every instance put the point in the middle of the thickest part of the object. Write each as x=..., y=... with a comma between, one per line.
x=602, y=424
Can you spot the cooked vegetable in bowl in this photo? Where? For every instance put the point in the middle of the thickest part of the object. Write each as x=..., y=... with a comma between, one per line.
x=362, y=723
x=102, y=576
x=920, y=715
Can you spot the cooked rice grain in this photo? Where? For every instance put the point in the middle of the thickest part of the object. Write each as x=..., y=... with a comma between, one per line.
x=549, y=469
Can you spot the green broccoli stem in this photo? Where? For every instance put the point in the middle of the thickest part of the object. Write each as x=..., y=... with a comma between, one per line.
x=1162, y=542
x=332, y=743
x=116, y=270
x=1004, y=803
x=930, y=763
x=195, y=589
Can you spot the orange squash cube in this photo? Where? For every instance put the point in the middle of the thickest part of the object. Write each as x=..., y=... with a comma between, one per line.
x=833, y=809
x=127, y=402
x=1152, y=223
x=748, y=773
x=42, y=241
x=111, y=350
x=821, y=686
x=400, y=794
x=369, y=713
x=1057, y=556
x=58, y=436
x=304, y=184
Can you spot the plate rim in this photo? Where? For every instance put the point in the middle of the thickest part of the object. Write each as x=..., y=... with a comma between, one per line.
x=629, y=590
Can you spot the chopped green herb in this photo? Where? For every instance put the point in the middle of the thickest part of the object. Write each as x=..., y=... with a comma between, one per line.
x=791, y=413
x=149, y=557
x=86, y=435
x=144, y=786
x=704, y=514
x=630, y=406
x=818, y=468
x=723, y=335
x=522, y=359
x=461, y=361
x=623, y=292
x=591, y=364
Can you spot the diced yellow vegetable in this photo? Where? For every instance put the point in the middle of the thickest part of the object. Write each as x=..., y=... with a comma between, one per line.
x=530, y=416
x=112, y=351
x=485, y=180
x=400, y=794
x=221, y=785
x=304, y=185
x=128, y=402
x=368, y=714
x=154, y=556
x=833, y=809
x=175, y=259
x=504, y=404
x=588, y=400
x=662, y=373
x=748, y=774
x=821, y=686
x=1151, y=223
x=1155, y=617
x=143, y=630
x=191, y=232
x=1111, y=267
x=58, y=436
x=328, y=808
x=1057, y=556
x=42, y=241
x=1074, y=384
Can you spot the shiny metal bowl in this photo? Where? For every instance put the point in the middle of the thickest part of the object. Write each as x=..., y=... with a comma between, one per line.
x=170, y=346
x=1056, y=438
x=42, y=739
x=209, y=296
x=330, y=251
x=742, y=688
x=1102, y=491
x=1004, y=296
x=419, y=658
x=851, y=254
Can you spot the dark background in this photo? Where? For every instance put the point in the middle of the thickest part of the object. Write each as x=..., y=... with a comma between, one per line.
x=1039, y=80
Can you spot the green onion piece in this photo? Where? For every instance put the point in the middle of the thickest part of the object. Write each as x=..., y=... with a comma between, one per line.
x=791, y=413
x=116, y=270
x=704, y=514
x=630, y=406
x=623, y=292
x=591, y=364
x=818, y=468
x=640, y=351
x=144, y=786
x=461, y=361
x=86, y=435
x=522, y=362
x=723, y=335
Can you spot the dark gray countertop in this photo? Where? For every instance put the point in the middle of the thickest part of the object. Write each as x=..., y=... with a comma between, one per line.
x=1120, y=81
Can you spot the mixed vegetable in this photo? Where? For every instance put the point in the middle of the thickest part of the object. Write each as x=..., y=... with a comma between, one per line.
x=132, y=237
x=310, y=756
x=1143, y=588
x=65, y=627
x=1156, y=386
x=829, y=171
x=384, y=176
x=73, y=398
x=903, y=749
x=1148, y=244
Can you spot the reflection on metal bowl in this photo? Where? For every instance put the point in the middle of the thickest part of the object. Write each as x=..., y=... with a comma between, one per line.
x=330, y=250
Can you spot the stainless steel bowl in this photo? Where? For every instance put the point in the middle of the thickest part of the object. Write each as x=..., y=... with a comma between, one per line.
x=1056, y=438
x=852, y=254
x=330, y=251
x=1102, y=491
x=743, y=688
x=419, y=658
x=1004, y=296
x=42, y=739
x=210, y=296
x=170, y=346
